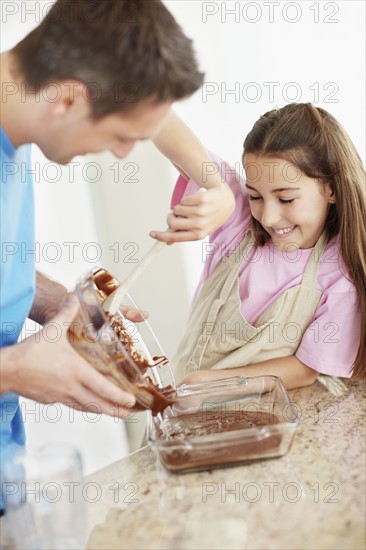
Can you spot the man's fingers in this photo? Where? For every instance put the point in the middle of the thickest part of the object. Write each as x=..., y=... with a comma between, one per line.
x=68, y=311
x=134, y=315
x=97, y=383
x=89, y=403
x=102, y=397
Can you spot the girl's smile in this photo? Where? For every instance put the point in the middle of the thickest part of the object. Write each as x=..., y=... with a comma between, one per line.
x=289, y=205
x=283, y=232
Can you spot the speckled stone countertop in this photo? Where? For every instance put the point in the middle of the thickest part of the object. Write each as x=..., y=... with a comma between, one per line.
x=312, y=498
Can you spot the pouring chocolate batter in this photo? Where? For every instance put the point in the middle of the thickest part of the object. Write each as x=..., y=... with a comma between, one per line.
x=105, y=342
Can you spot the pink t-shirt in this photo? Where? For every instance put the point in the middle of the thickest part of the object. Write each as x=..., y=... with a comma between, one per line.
x=330, y=343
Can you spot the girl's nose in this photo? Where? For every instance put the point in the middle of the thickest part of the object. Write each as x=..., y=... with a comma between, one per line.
x=270, y=215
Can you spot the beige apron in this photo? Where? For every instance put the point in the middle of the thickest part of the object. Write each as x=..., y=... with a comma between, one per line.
x=218, y=337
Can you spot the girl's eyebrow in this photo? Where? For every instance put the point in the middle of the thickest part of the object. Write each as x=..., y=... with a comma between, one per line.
x=275, y=190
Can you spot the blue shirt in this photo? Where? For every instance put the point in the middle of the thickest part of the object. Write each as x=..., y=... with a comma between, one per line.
x=17, y=269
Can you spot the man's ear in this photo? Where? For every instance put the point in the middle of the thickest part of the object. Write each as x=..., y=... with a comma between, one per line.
x=67, y=97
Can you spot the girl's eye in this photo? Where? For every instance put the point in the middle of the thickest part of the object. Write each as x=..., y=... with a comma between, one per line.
x=282, y=201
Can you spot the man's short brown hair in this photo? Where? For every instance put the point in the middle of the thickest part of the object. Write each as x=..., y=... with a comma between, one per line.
x=124, y=51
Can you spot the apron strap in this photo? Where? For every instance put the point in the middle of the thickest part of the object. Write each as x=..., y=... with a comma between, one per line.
x=312, y=266
x=196, y=357
x=236, y=265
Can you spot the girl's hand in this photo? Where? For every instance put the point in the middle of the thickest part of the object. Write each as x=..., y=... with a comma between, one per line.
x=198, y=215
x=293, y=373
x=202, y=213
x=204, y=375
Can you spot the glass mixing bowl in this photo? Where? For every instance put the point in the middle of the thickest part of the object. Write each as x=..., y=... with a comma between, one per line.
x=126, y=352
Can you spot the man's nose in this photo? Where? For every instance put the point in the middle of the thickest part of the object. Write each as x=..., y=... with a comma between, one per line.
x=121, y=151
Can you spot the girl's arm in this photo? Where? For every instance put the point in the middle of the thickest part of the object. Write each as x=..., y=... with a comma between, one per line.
x=202, y=213
x=294, y=373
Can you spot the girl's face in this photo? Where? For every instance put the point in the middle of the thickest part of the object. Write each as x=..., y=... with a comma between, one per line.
x=289, y=205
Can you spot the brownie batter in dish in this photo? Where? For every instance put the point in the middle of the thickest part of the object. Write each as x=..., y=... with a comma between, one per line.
x=213, y=422
x=203, y=439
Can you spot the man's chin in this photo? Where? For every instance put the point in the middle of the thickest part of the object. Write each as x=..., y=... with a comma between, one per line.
x=61, y=160
x=56, y=154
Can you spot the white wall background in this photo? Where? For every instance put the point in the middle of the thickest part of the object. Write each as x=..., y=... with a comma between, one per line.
x=256, y=56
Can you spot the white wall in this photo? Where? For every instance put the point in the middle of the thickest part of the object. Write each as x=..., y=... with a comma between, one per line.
x=267, y=54
x=326, y=56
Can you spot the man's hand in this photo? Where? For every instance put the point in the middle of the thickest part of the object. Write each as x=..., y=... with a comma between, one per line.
x=47, y=369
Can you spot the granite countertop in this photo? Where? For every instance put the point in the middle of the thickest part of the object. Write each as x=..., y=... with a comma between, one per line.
x=312, y=498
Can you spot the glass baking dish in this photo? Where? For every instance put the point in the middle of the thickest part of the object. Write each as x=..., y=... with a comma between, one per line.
x=224, y=422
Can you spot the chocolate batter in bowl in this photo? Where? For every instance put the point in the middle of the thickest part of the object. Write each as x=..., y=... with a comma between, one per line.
x=125, y=352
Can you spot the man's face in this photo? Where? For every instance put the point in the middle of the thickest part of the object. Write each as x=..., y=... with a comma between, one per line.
x=79, y=134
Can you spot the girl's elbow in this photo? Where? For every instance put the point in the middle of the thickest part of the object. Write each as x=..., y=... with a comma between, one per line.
x=310, y=377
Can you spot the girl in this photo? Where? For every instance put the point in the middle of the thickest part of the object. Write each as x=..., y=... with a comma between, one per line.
x=283, y=290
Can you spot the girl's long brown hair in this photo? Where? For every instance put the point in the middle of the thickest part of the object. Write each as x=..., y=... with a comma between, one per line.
x=312, y=139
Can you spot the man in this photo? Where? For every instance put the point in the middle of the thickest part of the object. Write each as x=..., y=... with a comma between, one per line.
x=93, y=76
